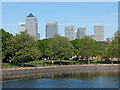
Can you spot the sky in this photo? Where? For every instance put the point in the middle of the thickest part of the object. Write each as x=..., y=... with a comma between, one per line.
x=77, y=14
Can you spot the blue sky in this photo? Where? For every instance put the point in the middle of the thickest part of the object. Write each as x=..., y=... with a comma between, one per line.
x=78, y=14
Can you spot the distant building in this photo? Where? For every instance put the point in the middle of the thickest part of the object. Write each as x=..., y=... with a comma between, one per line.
x=81, y=32
x=31, y=25
x=92, y=36
x=70, y=32
x=21, y=26
x=99, y=32
x=51, y=29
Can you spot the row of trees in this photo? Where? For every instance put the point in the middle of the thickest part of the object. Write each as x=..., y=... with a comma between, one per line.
x=23, y=47
x=111, y=49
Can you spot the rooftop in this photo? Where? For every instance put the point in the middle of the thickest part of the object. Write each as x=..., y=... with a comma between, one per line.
x=30, y=15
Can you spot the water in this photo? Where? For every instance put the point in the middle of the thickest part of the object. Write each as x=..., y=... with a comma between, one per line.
x=102, y=79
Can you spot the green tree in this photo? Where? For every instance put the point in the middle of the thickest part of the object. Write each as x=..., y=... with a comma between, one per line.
x=4, y=37
x=21, y=48
x=60, y=47
x=86, y=47
x=43, y=45
x=112, y=48
x=108, y=40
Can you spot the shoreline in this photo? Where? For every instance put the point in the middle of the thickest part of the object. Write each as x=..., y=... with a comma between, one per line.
x=25, y=72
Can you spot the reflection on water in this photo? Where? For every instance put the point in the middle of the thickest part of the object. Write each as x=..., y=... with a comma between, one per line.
x=87, y=75
x=96, y=79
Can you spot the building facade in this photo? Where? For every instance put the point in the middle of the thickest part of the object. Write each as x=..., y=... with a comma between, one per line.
x=21, y=26
x=51, y=29
x=81, y=32
x=99, y=32
x=70, y=32
x=31, y=25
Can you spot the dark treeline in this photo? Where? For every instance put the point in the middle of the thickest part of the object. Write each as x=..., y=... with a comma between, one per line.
x=23, y=48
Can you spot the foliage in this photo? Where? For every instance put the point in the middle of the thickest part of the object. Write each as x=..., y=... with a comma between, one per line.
x=111, y=49
x=43, y=45
x=21, y=48
x=4, y=37
x=60, y=47
x=86, y=47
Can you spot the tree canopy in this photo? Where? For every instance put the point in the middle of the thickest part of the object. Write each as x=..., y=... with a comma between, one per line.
x=5, y=37
x=43, y=45
x=21, y=48
x=86, y=47
x=60, y=47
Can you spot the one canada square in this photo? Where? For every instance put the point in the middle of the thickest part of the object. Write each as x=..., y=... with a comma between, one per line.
x=31, y=26
x=51, y=29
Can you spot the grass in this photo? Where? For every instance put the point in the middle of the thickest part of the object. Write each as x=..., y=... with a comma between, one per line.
x=56, y=62
x=40, y=63
x=9, y=65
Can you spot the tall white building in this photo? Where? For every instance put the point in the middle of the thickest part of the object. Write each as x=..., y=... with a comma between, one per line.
x=81, y=32
x=51, y=29
x=31, y=25
x=21, y=26
x=70, y=32
x=99, y=32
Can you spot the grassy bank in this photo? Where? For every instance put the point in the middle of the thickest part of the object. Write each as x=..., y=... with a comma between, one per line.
x=56, y=62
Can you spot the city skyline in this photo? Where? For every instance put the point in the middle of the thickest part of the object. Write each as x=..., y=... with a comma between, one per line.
x=104, y=13
x=70, y=32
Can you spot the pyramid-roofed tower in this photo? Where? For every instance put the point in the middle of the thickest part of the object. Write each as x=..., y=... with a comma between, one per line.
x=31, y=25
x=30, y=15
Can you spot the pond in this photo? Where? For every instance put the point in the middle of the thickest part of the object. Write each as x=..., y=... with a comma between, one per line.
x=96, y=79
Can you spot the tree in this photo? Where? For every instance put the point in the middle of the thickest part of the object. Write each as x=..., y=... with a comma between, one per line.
x=86, y=47
x=112, y=48
x=60, y=47
x=108, y=40
x=4, y=37
x=43, y=45
x=21, y=48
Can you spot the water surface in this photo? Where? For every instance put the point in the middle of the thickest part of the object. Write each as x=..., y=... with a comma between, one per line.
x=96, y=79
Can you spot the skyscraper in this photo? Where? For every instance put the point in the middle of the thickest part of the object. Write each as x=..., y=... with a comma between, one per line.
x=21, y=26
x=81, y=32
x=51, y=29
x=70, y=32
x=99, y=32
x=31, y=25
